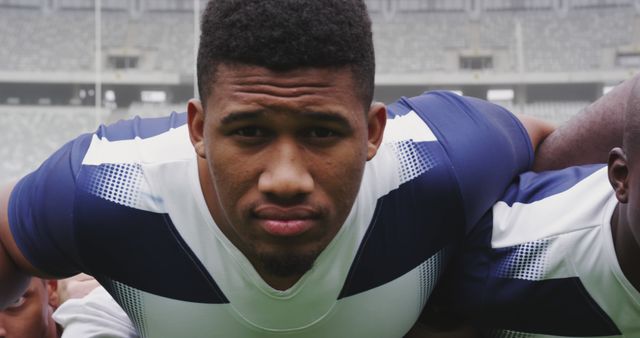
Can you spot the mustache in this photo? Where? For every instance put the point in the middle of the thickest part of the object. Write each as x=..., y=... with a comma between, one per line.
x=270, y=210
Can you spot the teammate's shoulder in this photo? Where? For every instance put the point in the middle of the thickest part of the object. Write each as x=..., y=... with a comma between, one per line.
x=531, y=186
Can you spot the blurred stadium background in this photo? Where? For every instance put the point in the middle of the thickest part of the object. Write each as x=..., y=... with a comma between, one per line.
x=547, y=58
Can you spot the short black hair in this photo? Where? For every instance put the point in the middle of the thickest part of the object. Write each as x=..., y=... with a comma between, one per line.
x=287, y=34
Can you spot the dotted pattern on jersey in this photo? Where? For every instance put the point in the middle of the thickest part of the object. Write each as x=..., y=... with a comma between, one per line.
x=429, y=273
x=131, y=302
x=118, y=183
x=509, y=334
x=526, y=261
x=414, y=159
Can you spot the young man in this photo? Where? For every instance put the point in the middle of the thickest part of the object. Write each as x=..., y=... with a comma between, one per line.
x=29, y=316
x=558, y=254
x=274, y=206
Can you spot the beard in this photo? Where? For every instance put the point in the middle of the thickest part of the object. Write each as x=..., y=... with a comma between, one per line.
x=283, y=264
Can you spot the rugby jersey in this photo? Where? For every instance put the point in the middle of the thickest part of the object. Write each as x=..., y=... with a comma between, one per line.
x=542, y=263
x=124, y=204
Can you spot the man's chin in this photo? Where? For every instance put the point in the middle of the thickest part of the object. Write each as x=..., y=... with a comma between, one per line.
x=285, y=265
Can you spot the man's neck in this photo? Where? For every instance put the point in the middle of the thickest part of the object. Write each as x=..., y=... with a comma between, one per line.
x=626, y=246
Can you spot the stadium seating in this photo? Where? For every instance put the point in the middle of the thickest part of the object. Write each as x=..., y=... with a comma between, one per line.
x=406, y=42
x=29, y=134
x=410, y=36
x=555, y=112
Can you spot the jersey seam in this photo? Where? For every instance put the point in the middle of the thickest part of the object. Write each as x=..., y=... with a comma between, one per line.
x=356, y=260
x=198, y=265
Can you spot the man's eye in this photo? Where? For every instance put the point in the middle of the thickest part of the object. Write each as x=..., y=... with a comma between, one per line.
x=17, y=303
x=250, y=132
x=321, y=132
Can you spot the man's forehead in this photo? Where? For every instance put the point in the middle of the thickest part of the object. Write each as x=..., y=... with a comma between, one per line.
x=312, y=89
x=238, y=73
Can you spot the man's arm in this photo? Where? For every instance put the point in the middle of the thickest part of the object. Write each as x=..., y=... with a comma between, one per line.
x=95, y=315
x=588, y=136
x=76, y=286
x=537, y=129
x=15, y=270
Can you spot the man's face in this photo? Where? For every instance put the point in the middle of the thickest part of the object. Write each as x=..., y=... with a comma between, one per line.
x=30, y=315
x=281, y=156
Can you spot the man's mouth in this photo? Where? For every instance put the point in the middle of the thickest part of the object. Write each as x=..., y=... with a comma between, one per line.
x=286, y=222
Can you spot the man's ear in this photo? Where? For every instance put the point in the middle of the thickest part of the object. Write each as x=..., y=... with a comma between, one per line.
x=619, y=174
x=376, y=121
x=52, y=293
x=195, y=114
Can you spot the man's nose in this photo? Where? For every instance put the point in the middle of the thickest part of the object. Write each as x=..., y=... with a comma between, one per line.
x=286, y=175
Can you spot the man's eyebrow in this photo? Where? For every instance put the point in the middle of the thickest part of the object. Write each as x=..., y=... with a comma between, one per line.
x=241, y=116
x=325, y=116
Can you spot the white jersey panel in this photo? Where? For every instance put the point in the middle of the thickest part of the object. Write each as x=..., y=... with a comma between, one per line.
x=532, y=216
x=169, y=146
x=407, y=127
x=569, y=235
x=127, y=169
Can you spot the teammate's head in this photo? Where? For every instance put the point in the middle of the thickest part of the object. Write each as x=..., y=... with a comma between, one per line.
x=288, y=125
x=287, y=34
x=631, y=138
x=30, y=315
x=624, y=167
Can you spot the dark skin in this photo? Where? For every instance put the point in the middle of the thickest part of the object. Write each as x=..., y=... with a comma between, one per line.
x=589, y=135
x=29, y=316
x=624, y=175
x=281, y=156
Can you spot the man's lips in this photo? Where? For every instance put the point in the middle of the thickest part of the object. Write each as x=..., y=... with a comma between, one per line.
x=286, y=222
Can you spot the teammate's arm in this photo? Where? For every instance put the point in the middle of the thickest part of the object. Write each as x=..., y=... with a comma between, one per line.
x=15, y=270
x=588, y=136
x=537, y=129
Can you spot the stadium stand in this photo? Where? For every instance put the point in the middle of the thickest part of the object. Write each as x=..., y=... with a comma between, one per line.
x=419, y=38
x=29, y=134
x=34, y=40
x=575, y=42
x=556, y=112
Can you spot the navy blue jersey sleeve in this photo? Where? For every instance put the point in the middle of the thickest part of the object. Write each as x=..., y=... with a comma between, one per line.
x=41, y=211
x=45, y=207
x=486, y=145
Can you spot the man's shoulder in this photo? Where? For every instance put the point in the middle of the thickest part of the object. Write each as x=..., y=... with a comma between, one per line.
x=548, y=204
x=140, y=140
x=128, y=162
x=530, y=187
x=104, y=180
